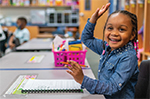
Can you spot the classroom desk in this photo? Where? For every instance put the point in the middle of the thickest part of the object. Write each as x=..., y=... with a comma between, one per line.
x=18, y=60
x=14, y=64
x=36, y=44
x=7, y=77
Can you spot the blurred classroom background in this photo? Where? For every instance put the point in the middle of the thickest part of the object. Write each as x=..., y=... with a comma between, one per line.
x=50, y=19
x=66, y=18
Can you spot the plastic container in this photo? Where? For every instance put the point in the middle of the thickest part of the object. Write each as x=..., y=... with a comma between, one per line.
x=63, y=56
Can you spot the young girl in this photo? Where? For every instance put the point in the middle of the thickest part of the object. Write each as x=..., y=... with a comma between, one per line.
x=118, y=68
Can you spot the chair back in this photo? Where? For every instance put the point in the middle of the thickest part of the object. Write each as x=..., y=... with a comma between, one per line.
x=142, y=88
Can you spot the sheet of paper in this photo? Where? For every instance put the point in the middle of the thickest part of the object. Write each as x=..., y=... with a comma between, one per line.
x=36, y=59
x=39, y=84
x=19, y=84
x=57, y=41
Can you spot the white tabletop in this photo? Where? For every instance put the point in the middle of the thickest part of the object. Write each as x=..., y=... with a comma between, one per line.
x=7, y=77
x=19, y=60
x=36, y=44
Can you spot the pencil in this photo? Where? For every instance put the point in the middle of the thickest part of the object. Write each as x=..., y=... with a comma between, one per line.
x=53, y=46
x=68, y=63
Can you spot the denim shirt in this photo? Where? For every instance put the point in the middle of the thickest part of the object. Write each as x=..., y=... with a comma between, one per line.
x=117, y=71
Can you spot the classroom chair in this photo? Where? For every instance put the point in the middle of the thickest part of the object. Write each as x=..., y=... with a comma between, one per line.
x=142, y=88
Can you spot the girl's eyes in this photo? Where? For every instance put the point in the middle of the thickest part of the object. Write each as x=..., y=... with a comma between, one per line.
x=109, y=28
x=121, y=29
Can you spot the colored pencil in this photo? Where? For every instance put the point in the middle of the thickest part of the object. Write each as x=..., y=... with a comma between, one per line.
x=68, y=63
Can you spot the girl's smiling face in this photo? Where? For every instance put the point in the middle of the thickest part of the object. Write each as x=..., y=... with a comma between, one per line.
x=118, y=30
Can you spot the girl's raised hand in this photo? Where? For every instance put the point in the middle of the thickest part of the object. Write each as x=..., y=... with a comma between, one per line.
x=98, y=13
x=75, y=71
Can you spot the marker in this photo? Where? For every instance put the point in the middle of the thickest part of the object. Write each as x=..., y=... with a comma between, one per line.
x=57, y=48
x=68, y=63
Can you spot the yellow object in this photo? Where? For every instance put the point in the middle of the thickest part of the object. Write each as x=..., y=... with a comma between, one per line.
x=132, y=5
x=53, y=46
x=127, y=6
x=59, y=2
x=141, y=5
x=32, y=58
x=75, y=47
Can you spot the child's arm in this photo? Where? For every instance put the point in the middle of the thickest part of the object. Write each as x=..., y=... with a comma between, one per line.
x=76, y=71
x=87, y=34
x=26, y=36
x=11, y=42
x=126, y=68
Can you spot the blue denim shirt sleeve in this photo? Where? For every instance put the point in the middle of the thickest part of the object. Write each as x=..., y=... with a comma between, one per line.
x=90, y=41
x=124, y=71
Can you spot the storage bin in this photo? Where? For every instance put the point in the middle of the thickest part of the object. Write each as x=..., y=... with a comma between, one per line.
x=63, y=56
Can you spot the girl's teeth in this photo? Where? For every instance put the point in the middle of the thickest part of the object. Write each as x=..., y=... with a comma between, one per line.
x=113, y=40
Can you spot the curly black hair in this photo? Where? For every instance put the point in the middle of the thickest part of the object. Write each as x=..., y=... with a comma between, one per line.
x=23, y=19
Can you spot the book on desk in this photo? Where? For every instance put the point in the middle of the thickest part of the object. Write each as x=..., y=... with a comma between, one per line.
x=27, y=84
x=52, y=86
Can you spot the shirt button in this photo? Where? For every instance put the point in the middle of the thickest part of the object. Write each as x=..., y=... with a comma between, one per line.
x=99, y=70
x=120, y=84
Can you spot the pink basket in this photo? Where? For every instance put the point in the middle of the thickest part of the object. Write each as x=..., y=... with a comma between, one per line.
x=63, y=56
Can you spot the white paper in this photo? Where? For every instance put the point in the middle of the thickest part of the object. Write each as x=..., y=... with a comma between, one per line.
x=57, y=41
x=66, y=43
x=38, y=84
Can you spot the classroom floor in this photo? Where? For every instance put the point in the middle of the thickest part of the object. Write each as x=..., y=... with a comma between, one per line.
x=93, y=60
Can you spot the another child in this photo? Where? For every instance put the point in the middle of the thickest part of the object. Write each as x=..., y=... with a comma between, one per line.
x=118, y=68
x=20, y=33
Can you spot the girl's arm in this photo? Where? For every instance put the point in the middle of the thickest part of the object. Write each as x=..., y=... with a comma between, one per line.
x=87, y=34
x=91, y=42
x=126, y=68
